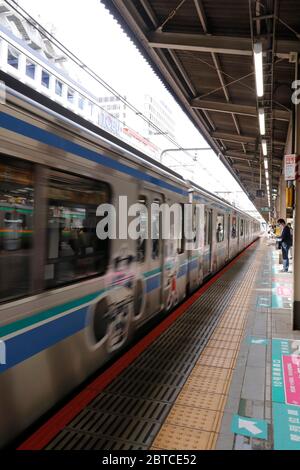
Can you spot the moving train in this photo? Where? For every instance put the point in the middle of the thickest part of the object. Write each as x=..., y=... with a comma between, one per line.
x=69, y=300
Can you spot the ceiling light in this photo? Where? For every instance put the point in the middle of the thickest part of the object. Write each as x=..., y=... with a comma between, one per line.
x=258, y=64
x=266, y=163
x=264, y=147
x=262, y=125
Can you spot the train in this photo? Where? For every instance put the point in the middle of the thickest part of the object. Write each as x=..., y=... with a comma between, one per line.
x=70, y=301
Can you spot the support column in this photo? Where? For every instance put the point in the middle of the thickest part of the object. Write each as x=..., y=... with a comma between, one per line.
x=282, y=198
x=296, y=241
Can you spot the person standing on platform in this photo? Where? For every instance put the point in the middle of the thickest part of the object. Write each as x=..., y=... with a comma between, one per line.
x=286, y=243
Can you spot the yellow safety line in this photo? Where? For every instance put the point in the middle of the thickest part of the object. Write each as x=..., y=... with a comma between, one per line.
x=194, y=421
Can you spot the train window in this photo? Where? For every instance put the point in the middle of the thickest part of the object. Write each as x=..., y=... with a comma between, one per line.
x=143, y=229
x=241, y=227
x=220, y=228
x=155, y=229
x=30, y=69
x=233, y=227
x=74, y=251
x=16, y=227
x=45, y=79
x=13, y=57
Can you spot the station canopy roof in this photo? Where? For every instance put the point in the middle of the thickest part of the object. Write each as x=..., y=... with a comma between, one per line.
x=203, y=52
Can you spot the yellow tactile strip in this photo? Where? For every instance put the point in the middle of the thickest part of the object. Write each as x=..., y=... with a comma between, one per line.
x=195, y=419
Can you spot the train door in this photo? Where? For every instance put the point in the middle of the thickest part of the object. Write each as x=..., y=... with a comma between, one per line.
x=154, y=266
x=181, y=280
x=195, y=248
x=228, y=237
x=242, y=234
x=207, y=255
x=175, y=269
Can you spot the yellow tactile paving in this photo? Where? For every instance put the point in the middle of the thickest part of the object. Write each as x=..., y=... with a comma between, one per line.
x=214, y=343
x=223, y=335
x=214, y=374
x=200, y=399
x=194, y=421
x=196, y=418
x=217, y=352
x=216, y=362
x=205, y=384
x=182, y=438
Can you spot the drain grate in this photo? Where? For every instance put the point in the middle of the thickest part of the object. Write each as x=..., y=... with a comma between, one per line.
x=129, y=413
x=72, y=440
x=130, y=406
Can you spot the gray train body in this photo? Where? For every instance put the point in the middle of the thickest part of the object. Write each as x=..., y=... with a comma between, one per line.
x=68, y=301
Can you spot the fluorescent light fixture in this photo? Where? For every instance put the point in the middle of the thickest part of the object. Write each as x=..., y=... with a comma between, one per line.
x=267, y=175
x=258, y=64
x=262, y=124
x=264, y=147
x=266, y=163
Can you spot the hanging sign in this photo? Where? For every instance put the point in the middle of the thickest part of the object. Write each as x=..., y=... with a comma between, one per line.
x=290, y=167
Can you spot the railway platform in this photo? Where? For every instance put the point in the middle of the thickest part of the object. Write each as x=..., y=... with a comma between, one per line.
x=220, y=372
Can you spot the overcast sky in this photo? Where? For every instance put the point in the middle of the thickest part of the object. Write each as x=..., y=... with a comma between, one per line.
x=90, y=32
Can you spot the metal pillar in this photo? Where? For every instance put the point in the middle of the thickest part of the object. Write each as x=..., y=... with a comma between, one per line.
x=282, y=198
x=296, y=241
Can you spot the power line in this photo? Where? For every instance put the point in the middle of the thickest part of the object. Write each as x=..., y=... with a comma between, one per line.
x=67, y=52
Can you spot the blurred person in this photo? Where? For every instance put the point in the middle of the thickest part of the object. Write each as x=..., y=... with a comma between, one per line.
x=286, y=243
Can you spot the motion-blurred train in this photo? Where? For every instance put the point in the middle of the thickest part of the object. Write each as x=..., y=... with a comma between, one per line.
x=70, y=301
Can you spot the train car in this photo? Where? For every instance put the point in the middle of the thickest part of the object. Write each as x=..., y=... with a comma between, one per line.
x=69, y=299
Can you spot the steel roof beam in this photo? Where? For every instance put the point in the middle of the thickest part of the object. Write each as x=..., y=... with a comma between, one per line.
x=218, y=44
x=244, y=110
x=251, y=169
x=233, y=137
x=227, y=136
x=248, y=156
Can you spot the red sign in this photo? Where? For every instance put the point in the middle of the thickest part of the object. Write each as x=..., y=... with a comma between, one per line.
x=291, y=371
x=284, y=291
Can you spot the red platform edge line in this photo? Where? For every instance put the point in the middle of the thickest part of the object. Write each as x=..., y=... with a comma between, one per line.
x=46, y=433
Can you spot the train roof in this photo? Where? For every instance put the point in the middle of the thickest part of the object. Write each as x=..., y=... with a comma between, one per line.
x=214, y=197
x=39, y=99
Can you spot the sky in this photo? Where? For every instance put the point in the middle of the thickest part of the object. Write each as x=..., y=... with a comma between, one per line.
x=93, y=35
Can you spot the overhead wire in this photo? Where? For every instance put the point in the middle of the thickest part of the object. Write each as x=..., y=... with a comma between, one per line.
x=67, y=52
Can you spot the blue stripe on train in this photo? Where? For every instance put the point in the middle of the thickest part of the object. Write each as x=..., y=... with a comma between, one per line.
x=31, y=342
x=153, y=283
x=27, y=344
x=33, y=132
x=193, y=264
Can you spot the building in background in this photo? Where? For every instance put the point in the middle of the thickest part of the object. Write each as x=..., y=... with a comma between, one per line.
x=137, y=131
x=160, y=115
